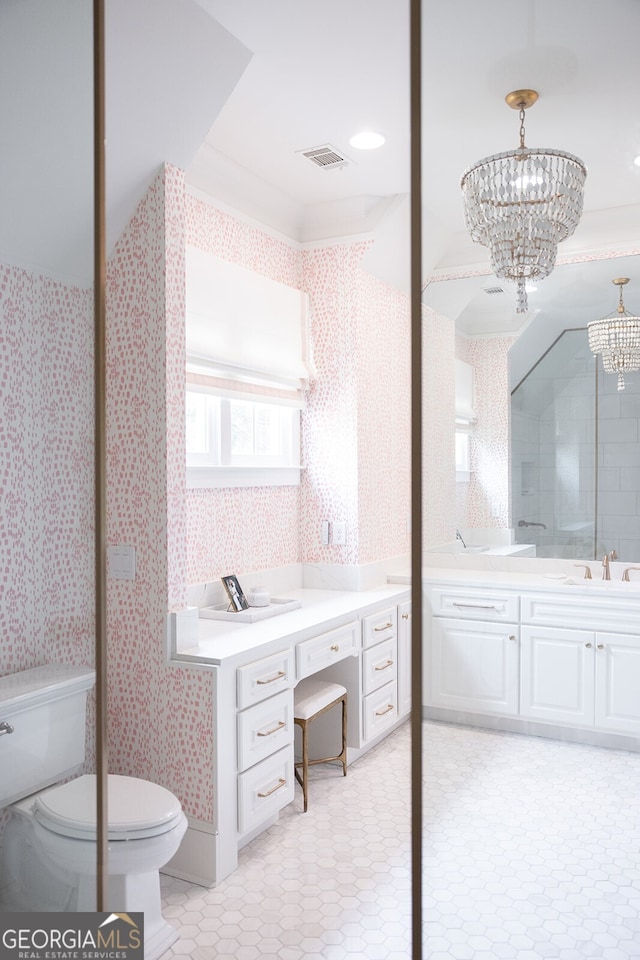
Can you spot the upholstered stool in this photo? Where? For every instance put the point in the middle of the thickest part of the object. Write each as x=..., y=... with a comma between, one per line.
x=311, y=698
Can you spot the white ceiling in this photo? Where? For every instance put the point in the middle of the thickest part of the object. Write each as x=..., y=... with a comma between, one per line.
x=233, y=90
x=321, y=72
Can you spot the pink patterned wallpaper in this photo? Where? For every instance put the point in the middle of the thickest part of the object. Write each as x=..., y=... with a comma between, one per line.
x=484, y=502
x=356, y=443
x=438, y=411
x=46, y=474
x=355, y=430
x=160, y=717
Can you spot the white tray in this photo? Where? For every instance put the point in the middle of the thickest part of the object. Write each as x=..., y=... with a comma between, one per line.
x=220, y=611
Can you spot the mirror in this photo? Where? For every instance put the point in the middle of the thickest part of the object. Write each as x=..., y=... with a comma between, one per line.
x=562, y=454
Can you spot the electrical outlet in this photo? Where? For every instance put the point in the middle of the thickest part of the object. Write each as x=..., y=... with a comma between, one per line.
x=339, y=531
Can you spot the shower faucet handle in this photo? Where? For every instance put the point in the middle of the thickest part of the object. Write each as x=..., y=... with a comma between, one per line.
x=587, y=570
x=5, y=728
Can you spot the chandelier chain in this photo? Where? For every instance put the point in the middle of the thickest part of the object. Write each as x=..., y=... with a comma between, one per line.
x=522, y=128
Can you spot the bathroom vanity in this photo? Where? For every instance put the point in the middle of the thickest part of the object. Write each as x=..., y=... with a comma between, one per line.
x=522, y=652
x=359, y=639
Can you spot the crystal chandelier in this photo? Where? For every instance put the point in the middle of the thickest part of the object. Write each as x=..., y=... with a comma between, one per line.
x=617, y=338
x=522, y=203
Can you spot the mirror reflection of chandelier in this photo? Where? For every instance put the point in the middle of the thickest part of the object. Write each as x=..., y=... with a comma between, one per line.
x=617, y=338
x=522, y=203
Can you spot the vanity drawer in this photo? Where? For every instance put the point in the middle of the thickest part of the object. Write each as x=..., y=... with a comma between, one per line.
x=264, y=789
x=312, y=655
x=379, y=626
x=473, y=603
x=379, y=665
x=263, y=678
x=265, y=728
x=380, y=710
x=582, y=612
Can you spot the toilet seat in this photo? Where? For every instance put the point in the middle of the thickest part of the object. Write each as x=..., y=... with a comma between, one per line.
x=136, y=808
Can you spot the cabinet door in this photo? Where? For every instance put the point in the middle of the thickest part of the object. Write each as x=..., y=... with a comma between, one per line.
x=618, y=683
x=474, y=666
x=404, y=658
x=557, y=675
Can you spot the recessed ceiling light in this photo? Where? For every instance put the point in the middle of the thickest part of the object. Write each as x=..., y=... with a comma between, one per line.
x=637, y=161
x=367, y=140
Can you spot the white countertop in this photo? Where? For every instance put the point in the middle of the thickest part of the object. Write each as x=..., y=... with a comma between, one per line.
x=223, y=643
x=527, y=580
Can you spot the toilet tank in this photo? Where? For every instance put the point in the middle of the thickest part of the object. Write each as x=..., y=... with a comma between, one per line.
x=42, y=727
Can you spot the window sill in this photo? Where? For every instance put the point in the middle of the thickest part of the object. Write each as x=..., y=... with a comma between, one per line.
x=212, y=477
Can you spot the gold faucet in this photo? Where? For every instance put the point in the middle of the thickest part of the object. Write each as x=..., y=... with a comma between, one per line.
x=625, y=575
x=606, y=560
x=587, y=570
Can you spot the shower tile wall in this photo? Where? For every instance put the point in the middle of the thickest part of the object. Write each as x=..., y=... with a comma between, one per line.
x=619, y=466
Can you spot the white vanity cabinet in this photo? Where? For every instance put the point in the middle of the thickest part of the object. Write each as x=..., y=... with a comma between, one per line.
x=587, y=676
x=473, y=663
x=264, y=739
x=534, y=657
x=350, y=637
x=379, y=672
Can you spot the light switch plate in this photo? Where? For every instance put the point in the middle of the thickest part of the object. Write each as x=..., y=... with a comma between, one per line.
x=339, y=531
x=122, y=562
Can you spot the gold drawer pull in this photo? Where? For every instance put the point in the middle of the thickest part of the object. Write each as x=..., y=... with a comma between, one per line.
x=381, y=713
x=281, y=783
x=385, y=626
x=277, y=676
x=385, y=666
x=335, y=647
x=405, y=616
x=267, y=733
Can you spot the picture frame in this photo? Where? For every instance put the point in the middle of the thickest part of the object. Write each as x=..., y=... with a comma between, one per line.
x=235, y=593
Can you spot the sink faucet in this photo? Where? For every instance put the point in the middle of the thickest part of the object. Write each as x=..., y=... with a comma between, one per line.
x=606, y=560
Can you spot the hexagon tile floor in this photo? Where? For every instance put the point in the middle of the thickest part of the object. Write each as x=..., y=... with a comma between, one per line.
x=531, y=849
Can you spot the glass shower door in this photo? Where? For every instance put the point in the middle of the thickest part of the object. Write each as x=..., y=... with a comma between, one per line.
x=553, y=451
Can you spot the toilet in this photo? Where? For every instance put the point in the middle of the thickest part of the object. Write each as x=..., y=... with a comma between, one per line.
x=48, y=859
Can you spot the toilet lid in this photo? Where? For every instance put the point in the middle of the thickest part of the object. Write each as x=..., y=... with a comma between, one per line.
x=135, y=808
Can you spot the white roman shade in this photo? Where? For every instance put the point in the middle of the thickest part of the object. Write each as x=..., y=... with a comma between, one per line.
x=245, y=332
x=465, y=414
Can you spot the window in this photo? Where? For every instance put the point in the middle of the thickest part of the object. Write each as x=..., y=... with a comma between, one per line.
x=240, y=442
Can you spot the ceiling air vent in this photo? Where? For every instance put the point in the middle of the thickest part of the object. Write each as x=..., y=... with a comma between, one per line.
x=493, y=290
x=327, y=157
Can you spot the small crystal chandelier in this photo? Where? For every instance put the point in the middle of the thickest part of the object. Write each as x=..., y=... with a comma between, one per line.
x=617, y=338
x=522, y=203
